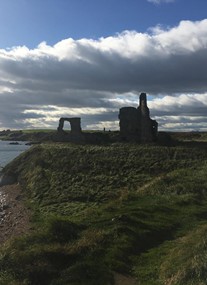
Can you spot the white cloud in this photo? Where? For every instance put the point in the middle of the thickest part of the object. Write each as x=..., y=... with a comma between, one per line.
x=185, y=112
x=160, y=1
x=84, y=77
x=184, y=103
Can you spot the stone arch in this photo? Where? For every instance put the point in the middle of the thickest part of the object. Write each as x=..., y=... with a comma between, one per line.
x=75, y=124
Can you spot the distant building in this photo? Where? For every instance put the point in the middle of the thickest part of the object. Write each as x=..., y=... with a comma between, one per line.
x=135, y=124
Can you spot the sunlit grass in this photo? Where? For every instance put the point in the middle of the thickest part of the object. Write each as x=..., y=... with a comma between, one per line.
x=134, y=209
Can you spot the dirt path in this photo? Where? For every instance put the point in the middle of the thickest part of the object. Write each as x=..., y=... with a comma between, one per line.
x=152, y=182
x=14, y=216
x=120, y=279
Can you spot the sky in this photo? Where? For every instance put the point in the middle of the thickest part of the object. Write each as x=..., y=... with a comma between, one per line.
x=89, y=58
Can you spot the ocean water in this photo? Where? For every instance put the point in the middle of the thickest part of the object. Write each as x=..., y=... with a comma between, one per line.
x=9, y=151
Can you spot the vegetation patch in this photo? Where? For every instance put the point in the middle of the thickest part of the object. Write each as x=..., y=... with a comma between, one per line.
x=126, y=208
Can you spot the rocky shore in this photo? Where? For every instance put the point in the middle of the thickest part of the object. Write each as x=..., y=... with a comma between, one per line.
x=14, y=216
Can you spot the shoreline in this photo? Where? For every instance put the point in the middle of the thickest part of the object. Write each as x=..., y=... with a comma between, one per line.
x=14, y=216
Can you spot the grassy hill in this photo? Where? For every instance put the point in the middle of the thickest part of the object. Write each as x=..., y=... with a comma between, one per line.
x=137, y=210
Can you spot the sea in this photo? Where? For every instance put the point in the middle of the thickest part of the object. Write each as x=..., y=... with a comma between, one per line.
x=9, y=151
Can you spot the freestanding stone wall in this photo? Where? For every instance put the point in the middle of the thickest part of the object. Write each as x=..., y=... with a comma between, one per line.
x=135, y=124
x=75, y=124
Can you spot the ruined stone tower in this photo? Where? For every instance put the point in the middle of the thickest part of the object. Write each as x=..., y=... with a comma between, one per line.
x=135, y=124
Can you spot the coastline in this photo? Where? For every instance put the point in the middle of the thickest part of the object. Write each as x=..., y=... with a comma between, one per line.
x=14, y=216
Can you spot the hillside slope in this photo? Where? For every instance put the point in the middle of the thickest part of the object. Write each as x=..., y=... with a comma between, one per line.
x=99, y=210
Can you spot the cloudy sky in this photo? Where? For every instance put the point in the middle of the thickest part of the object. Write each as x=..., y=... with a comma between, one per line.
x=88, y=58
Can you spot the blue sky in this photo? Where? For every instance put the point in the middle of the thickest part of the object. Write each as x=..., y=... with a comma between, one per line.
x=29, y=22
x=89, y=58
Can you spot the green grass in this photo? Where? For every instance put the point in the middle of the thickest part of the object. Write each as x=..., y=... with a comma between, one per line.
x=26, y=131
x=179, y=261
x=134, y=209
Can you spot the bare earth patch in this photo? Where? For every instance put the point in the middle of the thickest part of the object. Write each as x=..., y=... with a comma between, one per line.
x=14, y=216
x=124, y=280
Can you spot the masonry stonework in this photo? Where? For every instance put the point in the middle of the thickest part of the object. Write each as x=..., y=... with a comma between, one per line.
x=136, y=124
x=75, y=124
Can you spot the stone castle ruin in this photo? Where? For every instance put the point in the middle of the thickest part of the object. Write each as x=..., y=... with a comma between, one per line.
x=75, y=124
x=135, y=123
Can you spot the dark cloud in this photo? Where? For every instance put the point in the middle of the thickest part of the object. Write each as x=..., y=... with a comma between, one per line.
x=96, y=74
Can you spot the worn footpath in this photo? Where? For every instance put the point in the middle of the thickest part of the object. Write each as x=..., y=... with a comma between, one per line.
x=14, y=216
